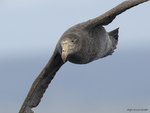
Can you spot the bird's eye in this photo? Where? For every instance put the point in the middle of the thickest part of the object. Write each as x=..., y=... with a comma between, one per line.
x=73, y=40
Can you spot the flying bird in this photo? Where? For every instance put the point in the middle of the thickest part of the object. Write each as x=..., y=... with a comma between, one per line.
x=80, y=44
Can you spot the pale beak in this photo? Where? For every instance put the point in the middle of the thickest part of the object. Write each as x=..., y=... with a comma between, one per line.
x=65, y=51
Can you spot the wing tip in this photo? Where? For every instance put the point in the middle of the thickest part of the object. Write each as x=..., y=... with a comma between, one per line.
x=26, y=110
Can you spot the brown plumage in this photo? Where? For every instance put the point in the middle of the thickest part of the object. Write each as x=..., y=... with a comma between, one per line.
x=80, y=44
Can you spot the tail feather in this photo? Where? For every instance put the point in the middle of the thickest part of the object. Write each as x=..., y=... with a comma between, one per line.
x=114, y=33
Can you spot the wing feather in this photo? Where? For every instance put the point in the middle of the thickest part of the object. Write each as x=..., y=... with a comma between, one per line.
x=108, y=17
x=41, y=83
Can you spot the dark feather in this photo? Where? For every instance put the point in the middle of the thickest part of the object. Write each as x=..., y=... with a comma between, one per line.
x=110, y=15
x=41, y=83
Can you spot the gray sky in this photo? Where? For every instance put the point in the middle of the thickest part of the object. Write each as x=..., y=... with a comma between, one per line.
x=30, y=30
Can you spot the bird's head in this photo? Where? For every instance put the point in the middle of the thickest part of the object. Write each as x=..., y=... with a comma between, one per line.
x=69, y=46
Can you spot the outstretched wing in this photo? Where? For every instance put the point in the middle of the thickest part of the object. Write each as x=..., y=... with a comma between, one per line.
x=108, y=17
x=41, y=83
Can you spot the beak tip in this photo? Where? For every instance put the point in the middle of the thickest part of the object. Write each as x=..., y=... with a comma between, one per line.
x=64, y=61
x=63, y=57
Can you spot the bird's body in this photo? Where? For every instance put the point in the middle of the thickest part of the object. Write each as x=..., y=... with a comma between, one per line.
x=93, y=43
x=80, y=44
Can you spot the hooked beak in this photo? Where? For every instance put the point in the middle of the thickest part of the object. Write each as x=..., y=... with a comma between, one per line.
x=65, y=51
